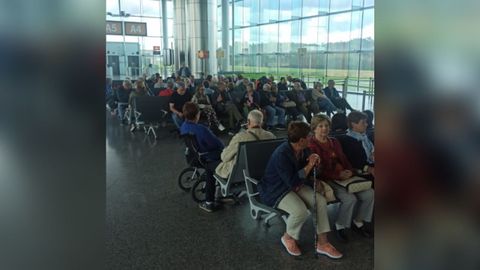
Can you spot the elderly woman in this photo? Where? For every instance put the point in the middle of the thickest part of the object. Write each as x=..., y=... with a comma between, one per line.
x=283, y=187
x=203, y=102
x=251, y=100
x=335, y=166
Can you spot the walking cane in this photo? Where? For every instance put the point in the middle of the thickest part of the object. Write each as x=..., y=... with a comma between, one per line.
x=314, y=214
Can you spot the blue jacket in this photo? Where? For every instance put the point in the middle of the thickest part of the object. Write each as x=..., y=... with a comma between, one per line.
x=331, y=93
x=207, y=141
x=282, y=174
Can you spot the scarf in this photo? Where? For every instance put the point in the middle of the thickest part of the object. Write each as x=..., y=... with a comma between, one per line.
x=366, y=143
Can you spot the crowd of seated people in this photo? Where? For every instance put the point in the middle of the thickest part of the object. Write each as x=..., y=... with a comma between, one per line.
x=227, y=100
x=287, y=181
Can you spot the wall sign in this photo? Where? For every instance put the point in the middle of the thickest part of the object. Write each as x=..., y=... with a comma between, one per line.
x=135, y=29
x=131, y=28
x=114, y=28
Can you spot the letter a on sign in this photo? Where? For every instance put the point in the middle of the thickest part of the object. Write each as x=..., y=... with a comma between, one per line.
x=136, y=29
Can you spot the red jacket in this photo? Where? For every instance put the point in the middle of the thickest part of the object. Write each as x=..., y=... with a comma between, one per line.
x=165, y=93
x=332, y=158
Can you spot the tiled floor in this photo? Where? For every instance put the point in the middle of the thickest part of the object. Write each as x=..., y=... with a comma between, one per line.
x=153, y=224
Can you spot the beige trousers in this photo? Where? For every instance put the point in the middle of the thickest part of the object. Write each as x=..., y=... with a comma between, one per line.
x=296, y=205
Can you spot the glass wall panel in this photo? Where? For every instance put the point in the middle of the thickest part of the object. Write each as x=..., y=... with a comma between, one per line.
x=356, y=30
x=268, y=11
x=254, y=40
x=340, y=5
x=151, y=8
x=148, y=11
x=295, y=36
x=169, y=9
x=290, y=9
x=269, y=38
x=132, y=7
x=367, y=65
x=112, y=6
x=369, y=3
x=311, y=7
x=154, y=26
x=337, y=64
x=353, y=65
x=239, y=13
x=339, y=35
x=368, y=30
x=314, y=33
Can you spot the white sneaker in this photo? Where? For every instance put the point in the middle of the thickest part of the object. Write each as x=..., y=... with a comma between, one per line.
x=221, y=127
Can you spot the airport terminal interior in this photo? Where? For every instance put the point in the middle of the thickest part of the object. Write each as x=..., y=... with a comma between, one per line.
x=290, y=60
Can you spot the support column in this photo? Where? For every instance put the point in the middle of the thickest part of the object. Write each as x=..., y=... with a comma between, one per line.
x=180, y=33
x=165, y=34
x=225, y=36
x=202, y=35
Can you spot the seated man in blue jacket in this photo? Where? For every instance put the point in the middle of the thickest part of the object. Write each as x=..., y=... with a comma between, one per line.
x=207, y=142
x=283, y=187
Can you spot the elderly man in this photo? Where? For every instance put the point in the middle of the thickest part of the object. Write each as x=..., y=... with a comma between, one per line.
x=332, y=93
x=254, y=132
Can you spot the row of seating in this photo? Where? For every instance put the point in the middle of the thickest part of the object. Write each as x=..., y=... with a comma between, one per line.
x=252, y=159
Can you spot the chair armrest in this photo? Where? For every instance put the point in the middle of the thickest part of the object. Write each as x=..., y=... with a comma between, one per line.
x=254, y=181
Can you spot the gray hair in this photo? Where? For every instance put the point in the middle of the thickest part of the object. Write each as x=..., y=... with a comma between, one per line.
x=256, y=117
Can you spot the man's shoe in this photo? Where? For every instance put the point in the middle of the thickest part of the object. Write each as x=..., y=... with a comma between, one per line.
x=342, y=235
x=329, y=251
x=226, y=200
x=362, y=231
x=291, y=245
x=280, y=127
x=208, y=207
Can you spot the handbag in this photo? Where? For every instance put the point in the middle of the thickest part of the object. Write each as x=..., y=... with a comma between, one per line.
x=328, y=192
x=289, y=104
x=354, y=184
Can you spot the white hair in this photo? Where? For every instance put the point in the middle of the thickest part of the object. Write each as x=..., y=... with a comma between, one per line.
x=256, y=117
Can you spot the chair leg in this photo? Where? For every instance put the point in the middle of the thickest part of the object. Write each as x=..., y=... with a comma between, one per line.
x=270, y=216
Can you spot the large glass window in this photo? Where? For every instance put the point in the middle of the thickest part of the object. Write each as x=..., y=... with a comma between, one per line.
x=340, y=5
x=290, y=9
x=141, y=47
x=151, y=8
x=311, y=39
x=268, y=11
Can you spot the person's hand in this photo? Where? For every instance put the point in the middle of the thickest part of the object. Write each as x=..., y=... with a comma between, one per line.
x=313, y=160
x=219, y=98
x=345, y=174
x=371, y=170
x=180, y=114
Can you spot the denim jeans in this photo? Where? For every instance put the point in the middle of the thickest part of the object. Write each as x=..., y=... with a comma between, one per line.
x=177, y=120
x=121, y=110
x=324, y=104
x=271, y=112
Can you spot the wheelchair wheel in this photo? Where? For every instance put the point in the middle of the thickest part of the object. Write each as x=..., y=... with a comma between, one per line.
x=198, y=189
x=187, y=178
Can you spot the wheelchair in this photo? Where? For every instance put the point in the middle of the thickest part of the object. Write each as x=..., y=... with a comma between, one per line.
x=193, y=178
